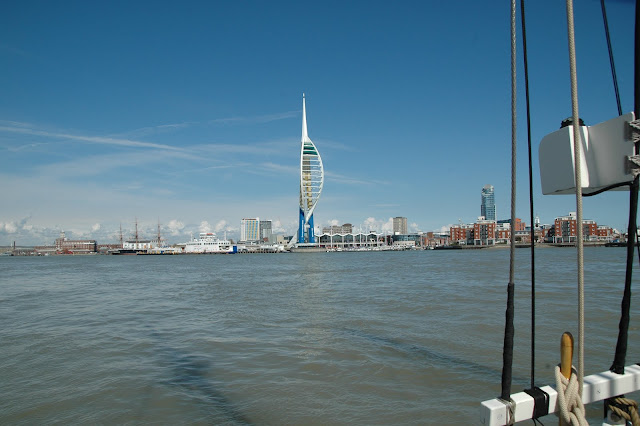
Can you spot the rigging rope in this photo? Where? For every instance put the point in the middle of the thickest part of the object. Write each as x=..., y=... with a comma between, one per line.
x=533, y=256
x=507, y=352
x=613, y=66
x=577, y=142
x=623, y=326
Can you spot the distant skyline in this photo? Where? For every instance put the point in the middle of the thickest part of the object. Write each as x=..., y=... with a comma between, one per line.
x=189, y=113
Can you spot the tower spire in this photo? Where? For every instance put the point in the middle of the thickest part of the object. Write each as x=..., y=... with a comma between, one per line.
x=305, y=136
x=311, y=181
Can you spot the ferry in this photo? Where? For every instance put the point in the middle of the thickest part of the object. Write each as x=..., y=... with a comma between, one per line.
x=208, y=242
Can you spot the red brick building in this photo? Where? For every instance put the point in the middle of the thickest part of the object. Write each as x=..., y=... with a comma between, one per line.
x=566, y=229
x=462, y=234
x=484, y=232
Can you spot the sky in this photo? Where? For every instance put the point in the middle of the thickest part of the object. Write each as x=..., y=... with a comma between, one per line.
x=188, y=114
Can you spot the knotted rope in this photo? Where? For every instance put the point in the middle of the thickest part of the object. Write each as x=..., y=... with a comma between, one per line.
x=625, y=408
x=569, y=401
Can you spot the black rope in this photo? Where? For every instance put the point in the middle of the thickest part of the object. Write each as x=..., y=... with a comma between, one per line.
x=613, y=67
x=533, y=256
x=632, y=231
x=623, y=326
x=606, y=188
x=507, y=352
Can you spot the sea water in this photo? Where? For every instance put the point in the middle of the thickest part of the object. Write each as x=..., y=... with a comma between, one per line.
x=302, y=338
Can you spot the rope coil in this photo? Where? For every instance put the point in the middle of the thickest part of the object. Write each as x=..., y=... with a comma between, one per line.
x=569, y=401
x=625, y=409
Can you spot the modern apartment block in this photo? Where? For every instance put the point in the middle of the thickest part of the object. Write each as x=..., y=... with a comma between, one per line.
x=462, y=234
x=266, y=233
x=250, y=229
x=400, y=225
x=484, y=232
x=488, y=203
x=566, y=229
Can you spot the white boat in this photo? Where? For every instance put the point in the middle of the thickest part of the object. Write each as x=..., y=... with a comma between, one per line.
x=208, y=242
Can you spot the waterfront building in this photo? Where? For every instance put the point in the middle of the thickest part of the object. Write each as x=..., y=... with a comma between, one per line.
x=266, y=233
x=519, y=225
x=566, y=229
x=250, y=229
x=311, y=182
x=408, y=240
x=484, y=232
x=346, y=228
x=64, y=246
x=437, y=239
x=605, y=233
x=461, y=234
x=400, y=225
x=488, y=203
x=351, y=241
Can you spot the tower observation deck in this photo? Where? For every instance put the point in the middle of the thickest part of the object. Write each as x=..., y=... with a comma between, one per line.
x=311, y=182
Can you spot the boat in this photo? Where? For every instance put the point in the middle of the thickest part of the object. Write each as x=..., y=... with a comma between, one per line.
x=208, y=242
x=586, y=161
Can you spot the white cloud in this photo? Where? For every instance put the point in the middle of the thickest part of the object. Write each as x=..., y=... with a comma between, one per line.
x=387, y=226
x=96, y=227
x=446, y=228
x=221, y=225
x=370, y=223
x=91, y=139
x=175, y=226
x=204, y=226
x=11, y=227
x=255, y=119
x=277, y=227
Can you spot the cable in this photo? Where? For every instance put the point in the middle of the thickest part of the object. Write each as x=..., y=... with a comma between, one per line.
x=577, y=142
x=533, y=257
x=507, y=351
x=613, y=66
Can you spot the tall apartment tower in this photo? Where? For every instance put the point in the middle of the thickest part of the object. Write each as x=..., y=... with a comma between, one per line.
x=250, y=229
x=265, y=230
x=400, y=225
x=488, y=203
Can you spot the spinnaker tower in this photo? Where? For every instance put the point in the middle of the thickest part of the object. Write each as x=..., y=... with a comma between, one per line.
x=311, y=182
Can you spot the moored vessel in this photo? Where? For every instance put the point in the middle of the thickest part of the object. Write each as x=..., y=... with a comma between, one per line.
x=208, y=242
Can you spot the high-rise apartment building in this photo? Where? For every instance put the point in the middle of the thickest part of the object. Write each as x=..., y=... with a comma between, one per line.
x=400, y=225
x=488, y=203
x=250, y=229
x=265, y=230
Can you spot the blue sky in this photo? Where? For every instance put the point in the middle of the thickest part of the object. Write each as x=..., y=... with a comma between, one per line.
x=189, y=113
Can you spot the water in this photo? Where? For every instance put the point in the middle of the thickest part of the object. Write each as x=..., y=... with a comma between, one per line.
x=323, y=338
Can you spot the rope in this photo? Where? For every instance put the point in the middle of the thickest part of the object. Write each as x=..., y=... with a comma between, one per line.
x=625, y=305
x=613, y=66
x=569, y=401
x=625, y=408
x=513, y=140
x=507, y=351
x=533, y=231
x=578, y=180
x=623, y=326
